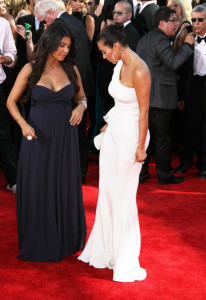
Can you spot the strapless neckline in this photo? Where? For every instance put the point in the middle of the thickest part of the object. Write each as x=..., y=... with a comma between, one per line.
x=52, y=90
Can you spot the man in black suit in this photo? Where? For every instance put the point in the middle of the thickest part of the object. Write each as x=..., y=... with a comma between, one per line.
x=123, y=13
x=143, y=19
x=194, y=96
x=47, y=10
x=155, y=49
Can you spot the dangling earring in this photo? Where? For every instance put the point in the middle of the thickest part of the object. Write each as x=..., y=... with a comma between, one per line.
x=115, y=52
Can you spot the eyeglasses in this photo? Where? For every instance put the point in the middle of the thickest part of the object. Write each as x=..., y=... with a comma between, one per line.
x=119, y=12
x=173, y=21
x=197, y=19
x=88, y=3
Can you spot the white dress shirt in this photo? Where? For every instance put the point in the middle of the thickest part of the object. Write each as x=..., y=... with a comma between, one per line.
x=7, y=45
x=37, y=23
x=200, y=58
x=144, y=5
x=59, y=15
x=126, y=23
x=135, y=4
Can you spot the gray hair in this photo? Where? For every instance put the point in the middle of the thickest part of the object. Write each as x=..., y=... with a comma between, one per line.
x=199, y=8
x=128, y=6
x=43, y=6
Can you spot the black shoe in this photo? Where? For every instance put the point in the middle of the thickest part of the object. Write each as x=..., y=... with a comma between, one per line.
x=143, y=178
x=171, y=180
x=202, y=174
x=181, y=169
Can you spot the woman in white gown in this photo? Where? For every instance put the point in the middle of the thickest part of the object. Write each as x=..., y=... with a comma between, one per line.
x=115, y=238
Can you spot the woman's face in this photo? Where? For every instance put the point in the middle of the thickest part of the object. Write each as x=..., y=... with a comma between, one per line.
x=177, y=8
x=107, y=52
x=2, y=8
x=77, y=5
x=63, y=49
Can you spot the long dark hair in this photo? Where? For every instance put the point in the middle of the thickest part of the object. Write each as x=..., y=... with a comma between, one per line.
x=48, y=43
x=112, y=34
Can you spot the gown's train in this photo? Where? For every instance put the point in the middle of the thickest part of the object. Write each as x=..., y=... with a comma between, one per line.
x=115, y=238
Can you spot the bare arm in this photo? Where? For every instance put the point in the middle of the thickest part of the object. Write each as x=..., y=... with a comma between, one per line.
x=29, y=47
x=29, y=42
x=81, y=100
x=90, y=26
x=16, y=92
x=180, y=39
x=142, y=81
x=13, y=28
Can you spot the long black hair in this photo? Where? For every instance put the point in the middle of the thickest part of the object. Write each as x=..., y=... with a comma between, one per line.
x=48, y=43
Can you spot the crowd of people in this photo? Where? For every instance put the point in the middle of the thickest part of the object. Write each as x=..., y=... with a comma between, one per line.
x=133, y=65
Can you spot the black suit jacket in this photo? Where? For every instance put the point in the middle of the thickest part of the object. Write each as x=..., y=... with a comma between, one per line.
x=132, y=36
x=144, y=20
x=82, y=59
x=155, y=49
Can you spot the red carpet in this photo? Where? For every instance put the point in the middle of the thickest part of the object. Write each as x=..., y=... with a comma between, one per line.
x=172, y=220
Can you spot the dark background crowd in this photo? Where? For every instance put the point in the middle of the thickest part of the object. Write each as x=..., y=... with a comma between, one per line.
x=185, y=119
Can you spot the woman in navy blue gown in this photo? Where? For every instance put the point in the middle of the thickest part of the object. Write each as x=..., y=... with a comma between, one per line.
x=50, y=211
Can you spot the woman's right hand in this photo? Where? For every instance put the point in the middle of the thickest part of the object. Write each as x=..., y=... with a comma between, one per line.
x=21, y=31
x=27, y=130
x=104, y=128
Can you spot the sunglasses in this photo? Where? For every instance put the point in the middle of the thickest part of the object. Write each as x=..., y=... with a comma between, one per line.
x=88, y=3
x=197, y=19
x=119, y=12
x=173, y=21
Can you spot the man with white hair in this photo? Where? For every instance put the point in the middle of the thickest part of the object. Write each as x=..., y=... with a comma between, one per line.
x=47, y=10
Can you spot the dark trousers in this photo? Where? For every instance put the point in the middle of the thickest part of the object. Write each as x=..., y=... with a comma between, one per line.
x=195, y=124
x=7, y=149
x=160, y=143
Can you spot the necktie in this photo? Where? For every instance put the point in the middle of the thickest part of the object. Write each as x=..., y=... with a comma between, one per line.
x=138, y=9
x=41, y=25
x=200, y=39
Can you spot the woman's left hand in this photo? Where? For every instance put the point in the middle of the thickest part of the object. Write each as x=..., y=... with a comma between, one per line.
x=77, y=115
x=140, y=155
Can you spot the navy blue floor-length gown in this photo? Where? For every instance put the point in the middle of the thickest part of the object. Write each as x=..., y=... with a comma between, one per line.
x=50, y=211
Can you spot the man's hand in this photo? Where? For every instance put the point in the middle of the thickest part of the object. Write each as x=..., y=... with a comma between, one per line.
x=190, y=39
x=5, y=60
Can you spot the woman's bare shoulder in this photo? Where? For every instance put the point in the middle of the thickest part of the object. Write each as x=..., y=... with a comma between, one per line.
x=140, y=68
x=26, y=71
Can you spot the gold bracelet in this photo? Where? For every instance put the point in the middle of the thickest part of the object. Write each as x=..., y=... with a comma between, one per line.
x=18, y=117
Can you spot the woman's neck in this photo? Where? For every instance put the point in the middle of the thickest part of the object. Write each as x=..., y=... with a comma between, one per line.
x=52, y=62
x=127, y=55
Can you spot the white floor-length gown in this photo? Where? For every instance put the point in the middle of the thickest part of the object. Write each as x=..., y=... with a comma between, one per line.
x=115, y=238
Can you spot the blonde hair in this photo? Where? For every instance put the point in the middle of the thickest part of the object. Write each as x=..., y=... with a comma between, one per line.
x=84, y=9
x=18, y=5
x=60, y=4
x=185, y=8
x=188, y=7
